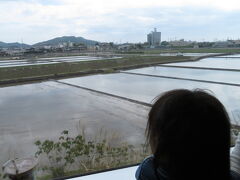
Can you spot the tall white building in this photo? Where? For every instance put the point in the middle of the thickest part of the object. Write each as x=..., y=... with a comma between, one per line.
x=154, y=38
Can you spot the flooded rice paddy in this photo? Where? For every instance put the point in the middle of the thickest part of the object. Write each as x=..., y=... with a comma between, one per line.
x=43, y=110
x=146, y=88
x=231, y=77
x=40, y=61
x=215, y=62
x=117, y=102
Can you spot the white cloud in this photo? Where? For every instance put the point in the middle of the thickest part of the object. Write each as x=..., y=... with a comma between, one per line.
x=116, y=4
x=35, y=20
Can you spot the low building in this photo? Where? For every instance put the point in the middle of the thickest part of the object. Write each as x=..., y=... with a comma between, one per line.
x=181, y=43
x=3, y=53
x=236, y=43
x=222, y=44
x=126, y=46
x=195, y=46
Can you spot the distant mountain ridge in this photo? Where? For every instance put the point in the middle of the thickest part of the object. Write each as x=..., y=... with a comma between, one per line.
x=50, y=42
x=13, y=45
x=63, y=39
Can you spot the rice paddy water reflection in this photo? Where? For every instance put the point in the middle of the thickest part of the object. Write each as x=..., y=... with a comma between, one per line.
x=40, y=61
x=222, y=63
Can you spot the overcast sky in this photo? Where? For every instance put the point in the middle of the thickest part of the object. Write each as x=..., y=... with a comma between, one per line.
x=119, y=20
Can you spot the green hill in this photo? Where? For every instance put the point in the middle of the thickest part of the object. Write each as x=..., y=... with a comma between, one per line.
x=63, y=39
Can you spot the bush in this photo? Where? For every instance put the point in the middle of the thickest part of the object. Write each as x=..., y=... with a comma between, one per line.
x=78, y=153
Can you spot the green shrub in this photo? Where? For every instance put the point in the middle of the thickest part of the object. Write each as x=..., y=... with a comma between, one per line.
x=77, y=153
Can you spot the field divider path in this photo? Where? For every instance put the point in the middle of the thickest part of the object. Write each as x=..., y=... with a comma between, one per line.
x=192, y=67
x=107, y=94
x=185, y=79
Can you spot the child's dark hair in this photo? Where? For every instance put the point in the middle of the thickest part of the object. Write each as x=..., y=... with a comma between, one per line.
x=189, y=133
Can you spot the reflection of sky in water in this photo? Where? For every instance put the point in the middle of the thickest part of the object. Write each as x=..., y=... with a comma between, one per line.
x=224, y=63
x=28, y=62
x=33, y=103
x=234, y=55
x=145, y=88
x=43, y=110
x=24, y=63
x=200, y=74
x=54, y=102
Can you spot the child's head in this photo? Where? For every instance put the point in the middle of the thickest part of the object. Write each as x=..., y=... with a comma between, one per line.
x=187, y=130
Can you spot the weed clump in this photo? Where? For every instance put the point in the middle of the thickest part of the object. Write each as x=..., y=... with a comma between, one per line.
x=78, y=155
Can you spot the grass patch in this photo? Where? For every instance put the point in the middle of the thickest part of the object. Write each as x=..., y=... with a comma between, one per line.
x=45, y=71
